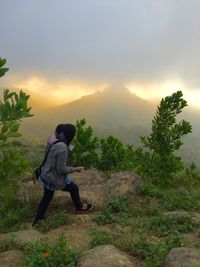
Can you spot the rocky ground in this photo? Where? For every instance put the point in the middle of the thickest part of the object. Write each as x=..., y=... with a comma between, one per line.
x=94, y=187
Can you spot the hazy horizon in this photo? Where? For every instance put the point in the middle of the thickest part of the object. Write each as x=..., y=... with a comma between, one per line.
x=69, y=49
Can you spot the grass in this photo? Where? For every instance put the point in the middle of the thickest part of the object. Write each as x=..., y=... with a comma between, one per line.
x=154, y=230
x=163, y=225
x=99, y=237
x=58, y=218
x=173, y=198
x=151, y=233
x=14, y=219
x=117, y=210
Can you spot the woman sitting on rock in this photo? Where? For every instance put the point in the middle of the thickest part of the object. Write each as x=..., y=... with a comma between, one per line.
x=55, y=171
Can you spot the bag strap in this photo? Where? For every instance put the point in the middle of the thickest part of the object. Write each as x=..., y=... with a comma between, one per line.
x=46, y=154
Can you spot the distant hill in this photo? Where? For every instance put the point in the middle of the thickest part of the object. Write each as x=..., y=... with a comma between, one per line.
x=113, y=111
x=108, y=109
x=111, y=107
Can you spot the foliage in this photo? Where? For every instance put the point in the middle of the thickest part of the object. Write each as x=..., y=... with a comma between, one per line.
x=178, y=197
x=108, y=154
x=13, y=108
x=15, y=217
x=85, y=145
x=99, y=237
x=153, y=254
x=117, y=210
x=163, y=225
x=114, y=155
x=45, y=254
x=57, y=219
x=2, y=70
x=165, y=139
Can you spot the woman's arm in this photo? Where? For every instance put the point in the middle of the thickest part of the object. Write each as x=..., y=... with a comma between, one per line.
x=61, y=166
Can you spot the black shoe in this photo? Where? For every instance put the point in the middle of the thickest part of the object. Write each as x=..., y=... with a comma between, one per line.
x=88, y=208
x=36, y=222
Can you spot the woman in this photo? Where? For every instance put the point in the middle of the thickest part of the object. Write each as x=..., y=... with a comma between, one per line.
x=55, y=170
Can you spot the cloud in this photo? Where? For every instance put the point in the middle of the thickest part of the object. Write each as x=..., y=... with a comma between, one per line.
x=131, y=41
x=53, y=92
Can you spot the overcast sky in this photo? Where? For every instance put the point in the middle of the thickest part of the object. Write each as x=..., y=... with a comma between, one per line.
x=95, y=42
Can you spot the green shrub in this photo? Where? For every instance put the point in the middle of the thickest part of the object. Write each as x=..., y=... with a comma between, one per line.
x=3, y=70
x=13, y=108
x=84, y=152
x=152, y=254
x=117, y=210
x=45, y=254
x=114, y=155
x=14, y=218
x=165, y=138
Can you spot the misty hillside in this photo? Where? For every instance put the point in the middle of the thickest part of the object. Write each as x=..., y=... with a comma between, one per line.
x=111, y=107
x=113, y=111
x=105, y=111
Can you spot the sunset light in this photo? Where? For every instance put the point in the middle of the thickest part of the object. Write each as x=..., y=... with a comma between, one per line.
x=158, y=91
x=57, y=92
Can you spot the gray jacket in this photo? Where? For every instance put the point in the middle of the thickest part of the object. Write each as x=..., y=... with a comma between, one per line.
x=55, y=168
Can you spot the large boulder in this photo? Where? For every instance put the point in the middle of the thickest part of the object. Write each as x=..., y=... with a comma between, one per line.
x=105, y=255
x=123, y=183
x=91, y=186
x=11, y=258
x=182, y=257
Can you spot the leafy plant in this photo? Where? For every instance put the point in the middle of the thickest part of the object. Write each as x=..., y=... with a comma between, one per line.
x=165, y=139
x=3, y=70
x=117, y=210
x=15, y=218
x=153, y=254
x=114, y=155
x=44, y=254
x=13, y=108
x=85, y=145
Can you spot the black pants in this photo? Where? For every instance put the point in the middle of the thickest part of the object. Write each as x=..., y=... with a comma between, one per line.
x=48, y=195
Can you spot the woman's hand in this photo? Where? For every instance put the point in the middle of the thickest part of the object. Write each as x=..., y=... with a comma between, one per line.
x=79, y=169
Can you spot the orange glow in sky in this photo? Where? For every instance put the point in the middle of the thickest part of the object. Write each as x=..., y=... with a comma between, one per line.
x=158, y=91
x=56, y=93
x=64, y=91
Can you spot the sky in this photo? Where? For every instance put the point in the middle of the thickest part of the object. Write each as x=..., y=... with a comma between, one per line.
x=64, y=49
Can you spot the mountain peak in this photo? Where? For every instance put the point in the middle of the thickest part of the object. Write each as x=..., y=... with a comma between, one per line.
x=116, y=89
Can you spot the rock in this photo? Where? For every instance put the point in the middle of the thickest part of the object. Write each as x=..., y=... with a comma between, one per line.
x=123, y=183
x=105, y=255
x=62, y=200
x=21, y=237
x=11, y=258
x=91, y=186
x=182, y=257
